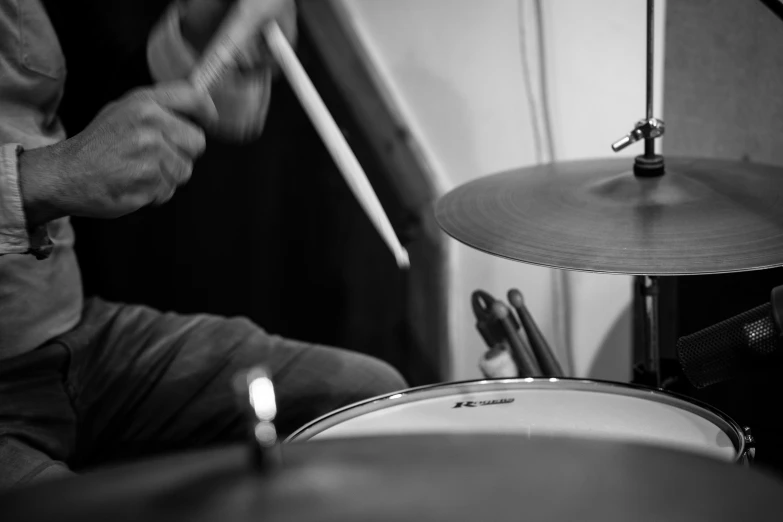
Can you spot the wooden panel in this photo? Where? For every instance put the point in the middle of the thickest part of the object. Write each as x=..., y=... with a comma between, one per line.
x=723, y=80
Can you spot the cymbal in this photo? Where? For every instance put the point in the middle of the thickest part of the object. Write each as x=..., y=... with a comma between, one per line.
x=424, y=478
x=702, y=217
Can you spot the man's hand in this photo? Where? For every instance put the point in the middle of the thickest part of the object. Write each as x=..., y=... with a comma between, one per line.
x=136, y=152
x=202, y=18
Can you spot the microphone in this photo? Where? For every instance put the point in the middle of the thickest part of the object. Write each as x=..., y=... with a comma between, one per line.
x=737, y=346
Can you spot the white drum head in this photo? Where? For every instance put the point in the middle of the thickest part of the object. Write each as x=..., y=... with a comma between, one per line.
x=538, y=408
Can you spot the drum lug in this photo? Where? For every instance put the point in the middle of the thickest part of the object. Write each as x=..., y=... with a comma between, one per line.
x=750, y=445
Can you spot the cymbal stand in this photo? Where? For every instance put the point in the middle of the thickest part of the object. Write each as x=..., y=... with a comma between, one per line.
x=648, y=165
x=652, y=350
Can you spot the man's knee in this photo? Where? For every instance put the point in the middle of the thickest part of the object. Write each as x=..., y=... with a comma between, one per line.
x=238, y=331
x=376, y=377
x=345, y=376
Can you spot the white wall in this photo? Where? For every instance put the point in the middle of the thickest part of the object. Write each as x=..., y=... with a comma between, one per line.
x=454, y=69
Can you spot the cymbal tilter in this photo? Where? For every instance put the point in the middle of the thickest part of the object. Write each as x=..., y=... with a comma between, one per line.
x=644, y=130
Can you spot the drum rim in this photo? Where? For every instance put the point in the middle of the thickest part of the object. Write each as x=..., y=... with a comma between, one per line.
x=694, y=406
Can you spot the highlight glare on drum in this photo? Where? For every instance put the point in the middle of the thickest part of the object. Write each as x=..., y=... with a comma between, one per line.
x=262, y=397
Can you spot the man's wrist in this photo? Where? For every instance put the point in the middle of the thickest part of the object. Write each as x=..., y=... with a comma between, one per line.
x=36, y=167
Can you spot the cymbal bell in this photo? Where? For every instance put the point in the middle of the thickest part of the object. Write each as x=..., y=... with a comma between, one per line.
x=424, y=478
x=703, y=216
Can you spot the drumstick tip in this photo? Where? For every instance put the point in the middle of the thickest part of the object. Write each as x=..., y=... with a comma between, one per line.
x=515, y=298
x=332, y=137
x=499, y=310
x=403, y=260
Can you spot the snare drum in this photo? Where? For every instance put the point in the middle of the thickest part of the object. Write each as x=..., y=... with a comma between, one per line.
x=540, y=408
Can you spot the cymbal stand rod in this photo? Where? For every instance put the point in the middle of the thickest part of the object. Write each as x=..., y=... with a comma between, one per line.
x=652, y=351
x=649, y=142
x=649, y=164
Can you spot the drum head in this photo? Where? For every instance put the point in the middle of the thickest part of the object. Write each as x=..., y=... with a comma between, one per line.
x=539, y=408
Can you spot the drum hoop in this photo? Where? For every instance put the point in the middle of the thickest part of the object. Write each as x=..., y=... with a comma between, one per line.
x=411, y=395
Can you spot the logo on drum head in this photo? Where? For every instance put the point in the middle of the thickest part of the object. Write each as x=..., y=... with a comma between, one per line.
x=473, y=404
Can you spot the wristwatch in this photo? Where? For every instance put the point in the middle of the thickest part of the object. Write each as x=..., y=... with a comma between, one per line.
x=41, y=245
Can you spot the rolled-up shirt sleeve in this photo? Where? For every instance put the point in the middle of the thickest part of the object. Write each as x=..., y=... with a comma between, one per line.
x=242, y=98
x=14, y=238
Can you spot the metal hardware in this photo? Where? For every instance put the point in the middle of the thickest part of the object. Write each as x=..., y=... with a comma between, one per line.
x=649, y=164
x=652, y=351
x=256, y=395
x=645, y=129
x=750, y=446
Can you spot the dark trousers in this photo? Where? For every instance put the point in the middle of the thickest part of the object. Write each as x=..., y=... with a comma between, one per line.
x=131, y=382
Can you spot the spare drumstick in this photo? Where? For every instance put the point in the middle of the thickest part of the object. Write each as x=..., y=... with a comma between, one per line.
x=522, y=354
x=544, y=354
x=497, y=362
x=237, y=33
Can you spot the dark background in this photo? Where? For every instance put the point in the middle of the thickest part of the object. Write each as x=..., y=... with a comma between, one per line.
x=268, y=230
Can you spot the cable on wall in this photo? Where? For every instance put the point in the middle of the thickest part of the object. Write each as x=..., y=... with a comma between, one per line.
x=526, y=78
x=561, y=310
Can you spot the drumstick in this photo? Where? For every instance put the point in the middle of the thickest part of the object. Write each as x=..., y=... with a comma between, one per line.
x=522, y=354
x=546, y=358
x=333, y=139
x=237, y=32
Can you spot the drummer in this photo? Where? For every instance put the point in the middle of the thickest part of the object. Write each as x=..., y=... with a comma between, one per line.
x=85, y=382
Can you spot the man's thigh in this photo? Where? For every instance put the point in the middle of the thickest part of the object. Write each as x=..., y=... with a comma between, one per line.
x=37, y=421
x=152, y=382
